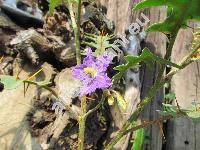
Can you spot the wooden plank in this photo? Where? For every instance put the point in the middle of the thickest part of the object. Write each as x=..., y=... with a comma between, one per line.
x=183, y=133
x=120, y=12
x=156, y=42
x=132, y=92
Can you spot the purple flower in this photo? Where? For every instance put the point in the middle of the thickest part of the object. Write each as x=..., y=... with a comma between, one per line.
x=92, y=73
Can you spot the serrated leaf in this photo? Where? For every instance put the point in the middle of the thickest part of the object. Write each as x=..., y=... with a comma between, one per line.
x=170, y=96
x=53, y=4
x=170, y=108
x=99, y=42
x=10, y=82
x=180, y=12
x=146, y=56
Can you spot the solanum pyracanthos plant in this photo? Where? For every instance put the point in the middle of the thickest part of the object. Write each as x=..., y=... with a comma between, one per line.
x=92, y=70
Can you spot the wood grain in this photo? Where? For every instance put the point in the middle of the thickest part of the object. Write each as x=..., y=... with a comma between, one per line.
x=183, y=133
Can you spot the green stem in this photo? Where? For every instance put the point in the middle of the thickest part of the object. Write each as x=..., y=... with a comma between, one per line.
x=82, y=121
x=76, y=28
x=158, y=84
x=146, y=124
x=96, y=107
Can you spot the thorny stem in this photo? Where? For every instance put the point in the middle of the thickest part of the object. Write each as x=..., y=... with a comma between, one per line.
x=95, y=108
x=148, y=123
x=83, y=117
x=76, y=28
x=82, y=121
x=186, y=61
x=158, y=84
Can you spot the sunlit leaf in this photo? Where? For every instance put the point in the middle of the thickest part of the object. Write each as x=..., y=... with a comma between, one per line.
x=193, y=111
x=10, y=82
x=170, y=96
x=146, y=56
x=55, y=3
x=180, y=12
x=99, y=42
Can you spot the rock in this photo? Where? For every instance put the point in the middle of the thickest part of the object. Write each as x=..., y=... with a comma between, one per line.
x=67, y=55
x=68, y=86
x=23, y=13
x=14, y=126
x=7, y=23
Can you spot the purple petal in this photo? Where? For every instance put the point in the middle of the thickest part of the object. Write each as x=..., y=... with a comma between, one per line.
x=105, y=58
x=79, y=73
x=102, y=62
x=88, y=61
x=102, y=81
x=88, y=87
x=91, y=83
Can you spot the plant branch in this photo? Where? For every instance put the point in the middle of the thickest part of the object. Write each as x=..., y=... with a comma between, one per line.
x=96, y=107
x=149, y=123
x=82, y=121
x=185, y=62
x=76, y=28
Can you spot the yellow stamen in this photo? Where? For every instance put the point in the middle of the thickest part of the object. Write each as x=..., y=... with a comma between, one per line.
x=91, y=71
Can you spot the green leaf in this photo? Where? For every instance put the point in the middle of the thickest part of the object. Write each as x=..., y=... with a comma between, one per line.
x=180, y=12
x=194, y=110
x=194, y=114
x=53, y=4
x=146, y=56
x=99, y=42
x=120, y=100
x=139, y=138
x=168, y=110
x=170, y=96
x=10, y=82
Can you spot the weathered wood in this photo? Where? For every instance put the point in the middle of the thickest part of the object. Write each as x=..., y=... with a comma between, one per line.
x=183, y=133
x=132, y=91
x=120, y=12
x=156, y=42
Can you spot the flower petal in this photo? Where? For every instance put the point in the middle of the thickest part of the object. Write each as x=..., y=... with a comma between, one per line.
x=102, y=81
x=102, y=62
x=78, y=72
x=97, y=81
x=88, y=61
x=88, y=87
